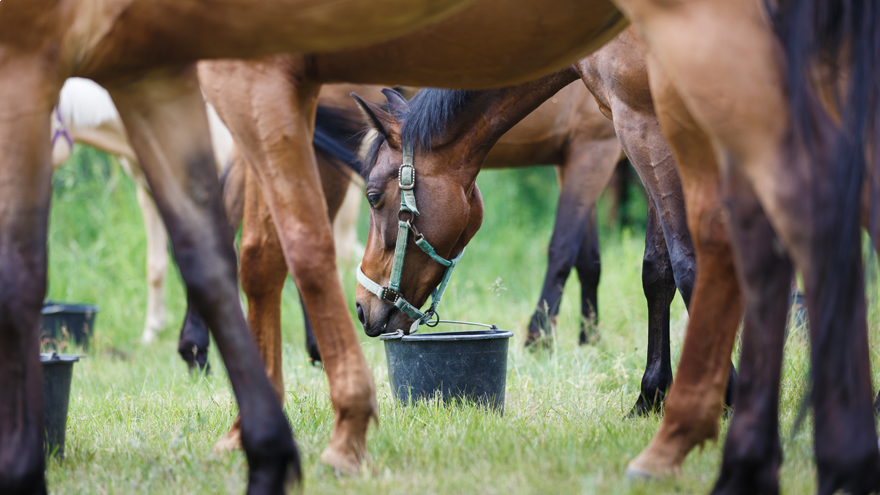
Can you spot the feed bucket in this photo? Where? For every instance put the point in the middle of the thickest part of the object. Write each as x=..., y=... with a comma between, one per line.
x=64, y=321
x=57, y=374
x=470, y=366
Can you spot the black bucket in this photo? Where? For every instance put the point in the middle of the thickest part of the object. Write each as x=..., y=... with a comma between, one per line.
x=458, y=366
x=57, y=373
x=63, y=321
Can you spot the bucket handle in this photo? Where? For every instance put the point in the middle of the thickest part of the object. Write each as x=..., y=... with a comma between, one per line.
x=399, y=333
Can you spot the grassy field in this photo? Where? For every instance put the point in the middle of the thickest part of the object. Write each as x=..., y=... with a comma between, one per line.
x=139, y=424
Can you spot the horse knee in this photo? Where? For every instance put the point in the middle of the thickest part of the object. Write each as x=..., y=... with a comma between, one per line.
x=313, y=260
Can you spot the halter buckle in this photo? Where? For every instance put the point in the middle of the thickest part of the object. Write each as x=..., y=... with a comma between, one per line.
x=406, y=177
x=387, y=292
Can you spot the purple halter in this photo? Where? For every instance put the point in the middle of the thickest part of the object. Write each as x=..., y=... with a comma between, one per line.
x=61, y=130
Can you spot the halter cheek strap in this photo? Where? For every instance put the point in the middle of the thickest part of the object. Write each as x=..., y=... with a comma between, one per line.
x=391, y=292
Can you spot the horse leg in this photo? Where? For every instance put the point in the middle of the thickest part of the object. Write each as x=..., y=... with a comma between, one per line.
x=272, y=121
x=589, y=268
x=587, y=169
x=752, y=450
x=180, y=168
x=695, y=400
x=194, y=340
x=157, y=264
x=658, y=283
x=262, y=273
x=25, y=191
x=669, y=248
x=311, y=342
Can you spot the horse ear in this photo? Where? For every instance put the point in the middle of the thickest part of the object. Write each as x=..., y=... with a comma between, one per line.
x=377, y=117
x=396, y=102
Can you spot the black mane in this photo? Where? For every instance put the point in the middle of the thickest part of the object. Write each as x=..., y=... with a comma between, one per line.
x=430, y=113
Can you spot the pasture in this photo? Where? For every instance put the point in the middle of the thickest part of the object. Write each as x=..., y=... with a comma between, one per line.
x=139, y=424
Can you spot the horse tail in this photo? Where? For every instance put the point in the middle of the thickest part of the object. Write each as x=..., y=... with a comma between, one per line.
x=831, y=50
x=337, y=137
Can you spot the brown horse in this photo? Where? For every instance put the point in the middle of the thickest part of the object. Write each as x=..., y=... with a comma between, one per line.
x=568, y=130
x=139, y=51
x=623, y=95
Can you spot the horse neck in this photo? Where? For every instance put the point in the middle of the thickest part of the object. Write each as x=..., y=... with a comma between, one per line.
x=491, y=114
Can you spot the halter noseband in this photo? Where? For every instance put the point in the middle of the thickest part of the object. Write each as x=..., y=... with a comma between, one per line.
x=406, y=180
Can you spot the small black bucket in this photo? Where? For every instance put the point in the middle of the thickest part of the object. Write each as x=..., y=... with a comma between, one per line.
x=457, y=365
x=62, y=321
x=57, y=373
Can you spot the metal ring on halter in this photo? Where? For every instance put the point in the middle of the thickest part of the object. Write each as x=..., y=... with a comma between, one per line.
x=432, y=313
x=412, y=217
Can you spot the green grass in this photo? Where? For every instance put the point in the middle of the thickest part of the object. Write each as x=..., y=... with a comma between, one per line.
x=139, y=424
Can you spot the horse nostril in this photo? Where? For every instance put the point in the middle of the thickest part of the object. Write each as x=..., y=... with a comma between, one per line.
x=361, y=315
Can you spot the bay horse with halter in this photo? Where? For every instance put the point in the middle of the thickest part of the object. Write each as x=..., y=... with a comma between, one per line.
x=444, y=122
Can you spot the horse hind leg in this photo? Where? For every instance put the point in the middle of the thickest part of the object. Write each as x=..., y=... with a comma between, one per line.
x=588, y=166
x=156, y=109
x=752, y=450
x=658, y=283
x=695, y=400
x=262, y=273
x=589, y=269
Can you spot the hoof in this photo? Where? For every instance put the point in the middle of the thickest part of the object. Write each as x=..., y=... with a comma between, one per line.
x=538, y=342
x=149, y=336
x=347, y=463
x=653, y=465
x=589, y=335
x=230, y=441
x=645, y=408
x=314, y=353
x=635, y=474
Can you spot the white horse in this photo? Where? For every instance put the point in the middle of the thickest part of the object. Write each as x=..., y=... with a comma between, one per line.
x=86, y=114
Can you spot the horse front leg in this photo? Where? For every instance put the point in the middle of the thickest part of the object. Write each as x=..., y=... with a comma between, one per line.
x=26, y=100
x=272, y=120
x=165, y=117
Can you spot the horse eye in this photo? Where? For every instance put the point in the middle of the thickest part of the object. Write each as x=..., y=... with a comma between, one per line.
x=374, y=198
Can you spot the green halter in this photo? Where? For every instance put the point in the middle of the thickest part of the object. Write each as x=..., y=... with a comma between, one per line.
x=391, y=293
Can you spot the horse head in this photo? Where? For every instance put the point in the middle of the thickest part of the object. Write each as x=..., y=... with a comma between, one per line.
x=435, y=204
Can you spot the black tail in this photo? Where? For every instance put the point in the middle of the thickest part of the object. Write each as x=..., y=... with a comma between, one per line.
x=835, y=44
x=337, y=136
x=842, y=39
